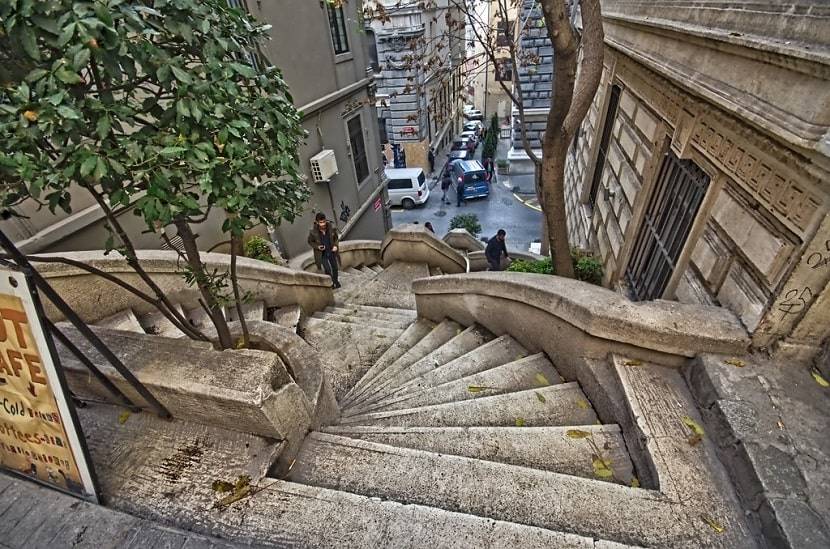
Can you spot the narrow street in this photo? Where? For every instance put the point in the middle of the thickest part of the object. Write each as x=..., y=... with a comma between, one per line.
x=501, y=210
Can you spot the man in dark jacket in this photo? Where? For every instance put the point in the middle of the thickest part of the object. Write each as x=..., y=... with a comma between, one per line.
x=495, y=248
x=324, y=240
x=446, y=183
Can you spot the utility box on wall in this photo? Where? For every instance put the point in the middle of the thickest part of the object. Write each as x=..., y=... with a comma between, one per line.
x=323, y=166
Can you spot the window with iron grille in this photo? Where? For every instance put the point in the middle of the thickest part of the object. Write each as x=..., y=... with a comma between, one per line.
x=504, y=70
x=672, y=209
x=503, y=36
x=337, y=23
x=361, y=164
x=602, y=154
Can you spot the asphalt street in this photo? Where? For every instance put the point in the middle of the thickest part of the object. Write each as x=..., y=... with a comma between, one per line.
x=501, y=210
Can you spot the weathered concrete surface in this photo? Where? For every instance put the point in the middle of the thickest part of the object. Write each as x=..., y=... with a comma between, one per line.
x=287, y=317
x=662, y=326
x=123, y=320
x=391, y=288
x=241, y=390
x=517, y=494
x=353, y=253
x=468, y=340
x=543, y=448
x=94, y=298
x=412, y=335
x=347, y=350
x=35, y=517
x=351, y=317
x=563, y=404
x=515, y=376
x=439, y=335
x=769, y=422
x=417, y=244
x=461, y=239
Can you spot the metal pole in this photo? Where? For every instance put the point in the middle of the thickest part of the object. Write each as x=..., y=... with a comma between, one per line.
x=99, y=375
x=76, y=321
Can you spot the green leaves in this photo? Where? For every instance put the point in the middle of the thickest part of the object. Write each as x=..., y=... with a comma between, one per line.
x=28, y=41
x=68, y=113
x=87, y=166
x=181, y=75
x=68, y=77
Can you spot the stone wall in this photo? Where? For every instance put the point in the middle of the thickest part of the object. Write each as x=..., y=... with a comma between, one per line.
x=759, y=244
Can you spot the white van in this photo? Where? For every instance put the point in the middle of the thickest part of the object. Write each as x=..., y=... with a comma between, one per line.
x=407, y=187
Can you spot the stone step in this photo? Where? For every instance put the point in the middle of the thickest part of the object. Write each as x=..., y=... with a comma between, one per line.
x=387, y=309
x=352, y=319
x=496, y=491
x=412, y=335
x=520, y=375
x=376, y=268
x=358, y=315
x=367, y=271
x=373, y=312
x=467, y=343
x=544, y=448
x=287, y=317
x=391, y=288
x=199, y=318
x=125, y=320
x=354, y=272
x=435, y=271
x=439, y=335
x=555, y=405
x=156, y=323
x=251, y=311
x=347, y=350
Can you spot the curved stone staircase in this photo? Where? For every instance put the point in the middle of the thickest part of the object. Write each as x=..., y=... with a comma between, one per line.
x=452, y=436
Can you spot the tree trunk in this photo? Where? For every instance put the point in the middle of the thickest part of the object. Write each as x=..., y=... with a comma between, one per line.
x=194, y=260
x=544, y=249
x=236, y=246
x=553, y=174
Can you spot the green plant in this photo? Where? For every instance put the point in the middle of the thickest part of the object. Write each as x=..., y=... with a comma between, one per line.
x=154, y=108
x=491, y=140
x=466, y=221
x=542, y=266
x=502, y=163
x=257, y=248
x=588, y=269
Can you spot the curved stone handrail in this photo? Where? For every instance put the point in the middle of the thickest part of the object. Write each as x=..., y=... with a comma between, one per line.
x=479, y=263
x=353, y=253
x=538, y=309
x=94, y=298
x=461, y=239
x=415, y=244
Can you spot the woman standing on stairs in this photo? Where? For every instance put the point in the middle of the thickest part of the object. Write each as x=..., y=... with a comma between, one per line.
x=324, y=240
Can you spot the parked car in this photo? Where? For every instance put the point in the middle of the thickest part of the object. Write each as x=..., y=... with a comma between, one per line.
x=472, y=174
x=463, y=143
x=475, y=126
x=472, y=136
x=407, y=187
x=463, y=154
x=473, y=114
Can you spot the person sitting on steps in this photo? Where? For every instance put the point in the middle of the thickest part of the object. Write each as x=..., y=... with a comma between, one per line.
x=324, y=240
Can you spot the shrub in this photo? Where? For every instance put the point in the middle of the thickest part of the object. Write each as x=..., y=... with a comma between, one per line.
x=466, y=221
x=257, y=248
x=586, y=267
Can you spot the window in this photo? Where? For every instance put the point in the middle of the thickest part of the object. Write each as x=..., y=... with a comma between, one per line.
x=602, y=154
x=503, y=36
x=337, y=22
x=504, y=70
x=361, y=164
x=400, y=184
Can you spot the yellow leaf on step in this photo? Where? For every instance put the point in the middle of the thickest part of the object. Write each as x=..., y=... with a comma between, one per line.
x=693, y=425
x=736, y=362
x=577, y=433
x=123, y=417
x=520, y=422
x=819, y=378
x=713, y=524
x=633, y=362
x=541, y=398
x=582, y=404
x=602, y=467
x=635, y=482
x=542, y=380
x=478, y=388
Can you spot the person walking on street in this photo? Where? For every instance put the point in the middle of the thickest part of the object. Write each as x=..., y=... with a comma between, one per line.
x=324, y=240
x=431, y=158
x=495, y=248
x=446, y=183
x=459, y=192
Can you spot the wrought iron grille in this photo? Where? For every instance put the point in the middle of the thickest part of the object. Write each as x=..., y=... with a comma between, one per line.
x=672, y=209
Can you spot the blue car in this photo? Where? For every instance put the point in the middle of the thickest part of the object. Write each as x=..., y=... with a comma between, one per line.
x=472, y=174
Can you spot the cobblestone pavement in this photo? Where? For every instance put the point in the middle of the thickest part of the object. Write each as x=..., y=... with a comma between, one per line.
x=35, y=517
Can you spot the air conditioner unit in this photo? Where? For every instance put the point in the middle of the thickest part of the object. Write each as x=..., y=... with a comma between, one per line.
x=324, y=166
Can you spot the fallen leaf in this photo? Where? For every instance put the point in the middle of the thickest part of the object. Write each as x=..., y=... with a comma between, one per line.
x=582, y=404
x=479, y=388
x=713, y=524
x=602, y=467
x=635, y=482
x=693, y=425
x=520, y=422
x=31, y=116
x=542, y=380
x=221, y=486
x=577, y=433
x=123, y=417
x=819, y=379
x=633, y=362
x=541, y=398
x=736, y=362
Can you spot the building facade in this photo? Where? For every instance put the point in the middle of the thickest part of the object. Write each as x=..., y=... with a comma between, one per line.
x=419, y=73
x=324, y=61
x=702, y=171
